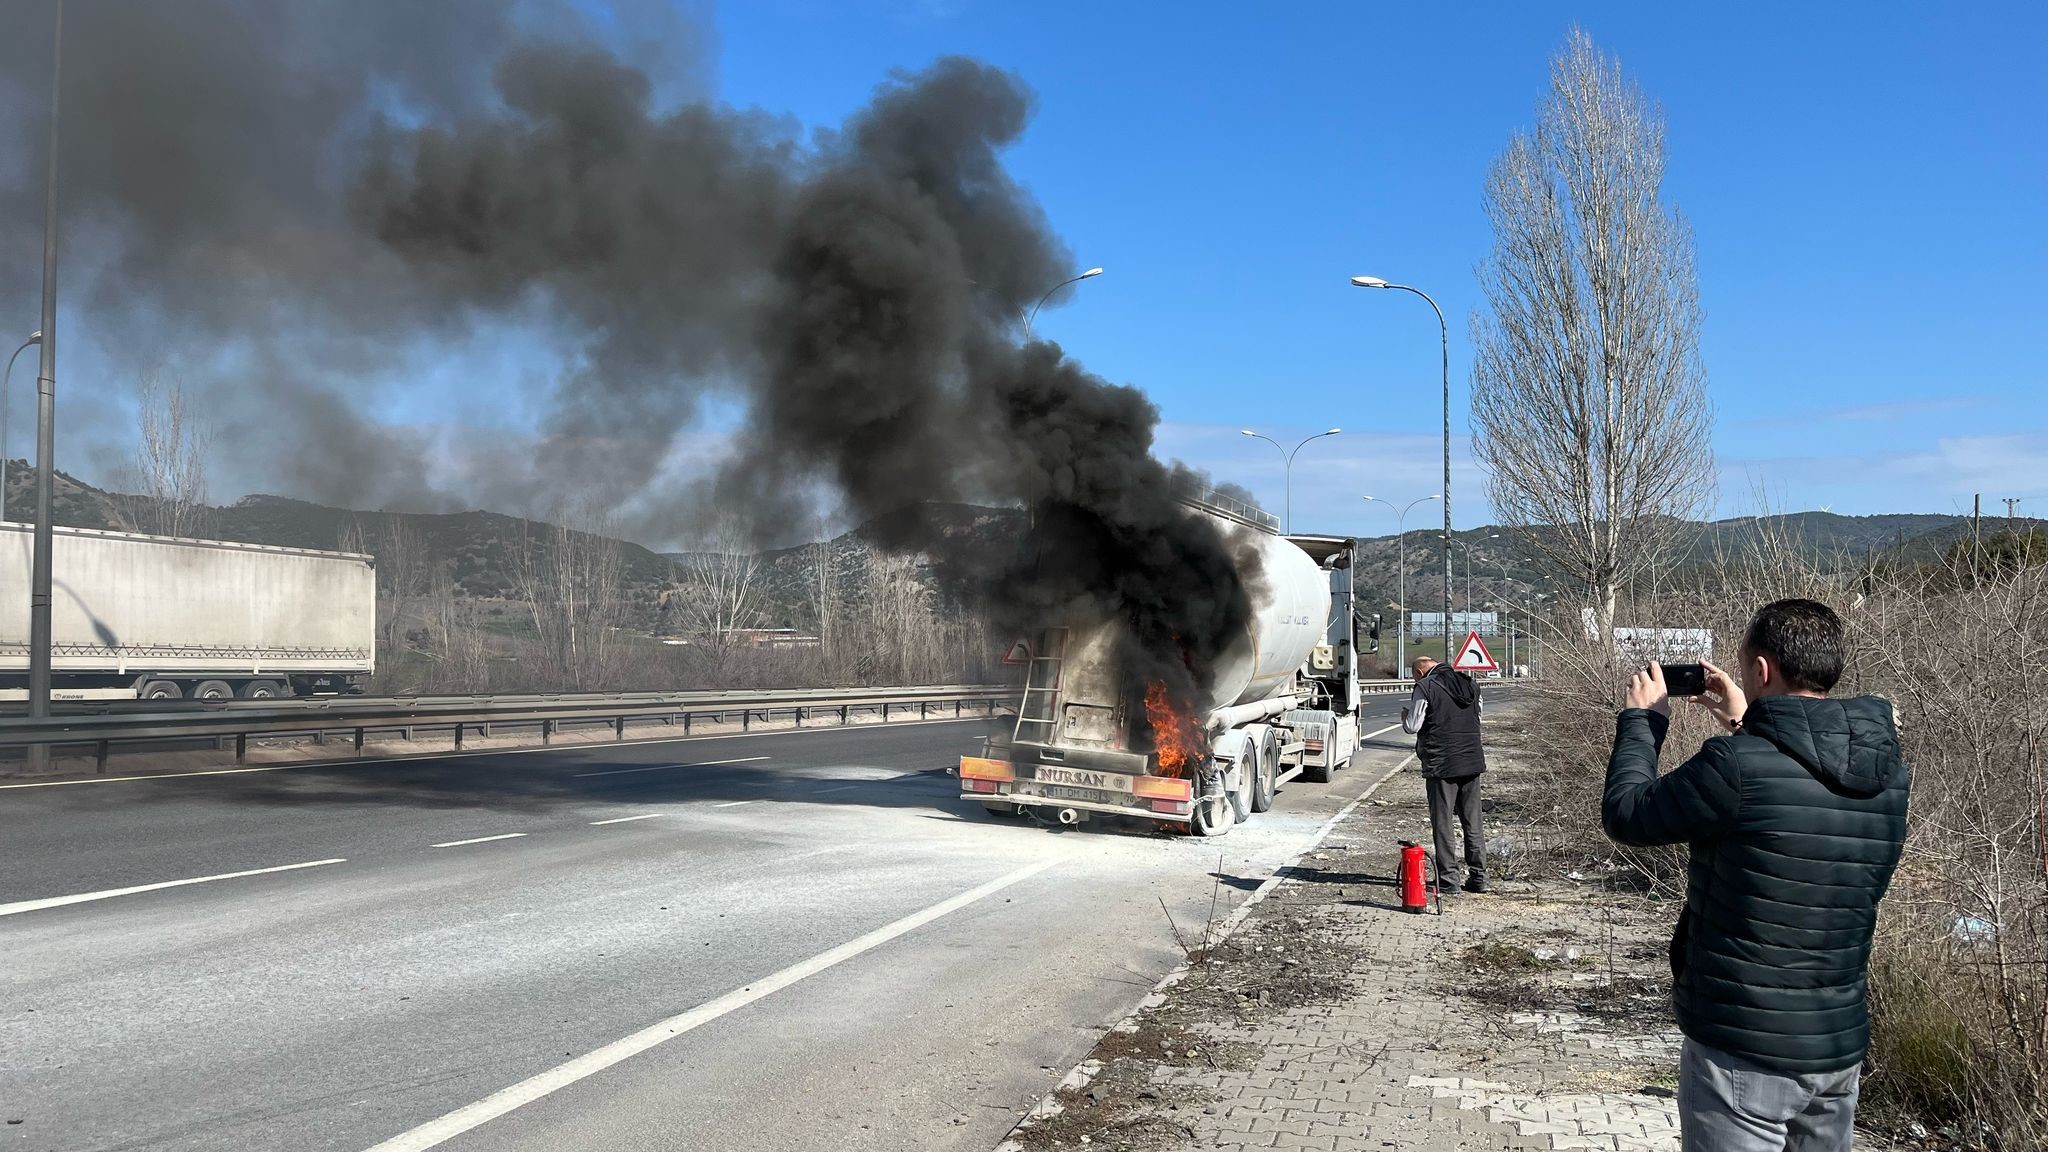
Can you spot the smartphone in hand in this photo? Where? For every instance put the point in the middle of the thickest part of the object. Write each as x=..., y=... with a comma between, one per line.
x=1685, y=679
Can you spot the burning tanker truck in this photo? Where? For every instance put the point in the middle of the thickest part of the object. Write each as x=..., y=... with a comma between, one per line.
x=1089, y=742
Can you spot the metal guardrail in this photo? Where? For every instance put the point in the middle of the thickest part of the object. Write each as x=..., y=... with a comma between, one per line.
x=132, y=721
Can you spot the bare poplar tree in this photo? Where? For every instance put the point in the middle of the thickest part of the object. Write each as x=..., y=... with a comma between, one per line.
x=403, y=571
x=169, y=470
x=720, y=591
x=1589, y=406
x=574, y=586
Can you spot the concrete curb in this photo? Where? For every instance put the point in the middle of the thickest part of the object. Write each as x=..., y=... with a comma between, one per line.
x=1079, y=1076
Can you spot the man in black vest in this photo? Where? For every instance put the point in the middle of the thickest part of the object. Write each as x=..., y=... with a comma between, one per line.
x=1796, y=820
x=1444, y=716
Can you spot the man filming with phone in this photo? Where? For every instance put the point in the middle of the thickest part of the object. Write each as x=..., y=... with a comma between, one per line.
x=1795, y=818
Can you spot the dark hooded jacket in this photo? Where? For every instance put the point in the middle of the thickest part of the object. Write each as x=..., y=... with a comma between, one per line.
x=1449, y=746
x=1796, y=823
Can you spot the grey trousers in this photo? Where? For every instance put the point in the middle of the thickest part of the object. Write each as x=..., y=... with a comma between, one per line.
x=1457, y=799
x=1727, y=1104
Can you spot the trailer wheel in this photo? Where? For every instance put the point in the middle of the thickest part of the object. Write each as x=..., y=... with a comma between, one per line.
x=260, y=690
x=161, y=690
x=213, y=690
x=1265, y=782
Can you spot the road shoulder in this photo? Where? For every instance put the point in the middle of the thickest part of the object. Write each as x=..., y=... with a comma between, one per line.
x=1534, y=1017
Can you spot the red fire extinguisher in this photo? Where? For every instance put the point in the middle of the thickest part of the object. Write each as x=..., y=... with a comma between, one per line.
x=1416, y=882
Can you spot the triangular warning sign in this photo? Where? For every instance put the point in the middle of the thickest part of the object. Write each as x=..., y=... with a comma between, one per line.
x=1019, y=653
x=1473, y=656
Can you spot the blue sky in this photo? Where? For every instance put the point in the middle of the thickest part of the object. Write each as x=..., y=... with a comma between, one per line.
x=1868, y=185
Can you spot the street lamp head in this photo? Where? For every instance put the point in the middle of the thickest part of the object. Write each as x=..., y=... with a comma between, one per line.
x=1368, y=282
x=1246, y=432
x=1088, y=273
x=1333, y=431
x=35, y=337
x=1437, y=496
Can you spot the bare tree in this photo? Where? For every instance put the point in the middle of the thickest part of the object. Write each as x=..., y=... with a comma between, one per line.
x=719, y=591
x=824, y=596
x=403, y=572
x=168, y=474
x=574, y=586
x=1589, y=404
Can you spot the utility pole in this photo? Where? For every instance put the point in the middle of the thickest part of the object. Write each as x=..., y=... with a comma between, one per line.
x=2011, y=504
x=46, y=430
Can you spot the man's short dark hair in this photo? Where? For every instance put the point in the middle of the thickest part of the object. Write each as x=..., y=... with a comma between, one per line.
x=1805, y=641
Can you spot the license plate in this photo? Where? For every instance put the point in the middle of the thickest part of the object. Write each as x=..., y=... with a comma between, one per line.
x=1076, y=778
x=1055, y=792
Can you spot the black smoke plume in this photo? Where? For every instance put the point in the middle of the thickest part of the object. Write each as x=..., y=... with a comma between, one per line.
x=329, y=187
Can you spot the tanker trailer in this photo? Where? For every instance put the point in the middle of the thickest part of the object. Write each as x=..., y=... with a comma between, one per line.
x=1282, y=701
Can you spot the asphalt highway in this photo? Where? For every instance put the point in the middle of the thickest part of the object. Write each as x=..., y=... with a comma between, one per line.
x=783, y=941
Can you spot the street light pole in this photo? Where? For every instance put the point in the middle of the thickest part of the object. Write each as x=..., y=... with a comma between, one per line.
x=1288, y=475
x=46, y=428
x=1401, y=608
x=6, y=387
x=1048, y=295
x=1444, y=330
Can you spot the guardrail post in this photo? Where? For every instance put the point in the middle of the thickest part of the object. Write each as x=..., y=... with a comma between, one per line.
x=686, y=723
x=359, y=739
x=103, y=751
x=746, y=719
x=958, y=705
x=885, y=712
x=486, y=733
x=619, y=728
x=842, y=716
x=458, y=737
x=921, y=712
x=799, y=715
x=241, y=747
x=547, y=731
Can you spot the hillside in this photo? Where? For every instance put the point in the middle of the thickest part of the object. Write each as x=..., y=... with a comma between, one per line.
x=481, y=547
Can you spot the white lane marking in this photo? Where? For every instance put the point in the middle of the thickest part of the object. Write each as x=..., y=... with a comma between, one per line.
x=60, y=901
x=481, y=840
x=734, y=803
x=666, y=767
x=462, y=1120
x=627, y=819
x=1370, y=735
x=492, y=752
x=841, y=788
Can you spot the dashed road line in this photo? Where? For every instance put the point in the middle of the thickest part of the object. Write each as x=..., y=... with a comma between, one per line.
x=83, y=897
x=481, y=839
x=627, y=819
x=666, y=767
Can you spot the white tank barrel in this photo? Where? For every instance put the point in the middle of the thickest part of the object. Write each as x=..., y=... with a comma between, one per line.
x=1290, y=615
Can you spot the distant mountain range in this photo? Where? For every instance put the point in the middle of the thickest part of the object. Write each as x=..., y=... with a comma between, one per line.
x=481, y=547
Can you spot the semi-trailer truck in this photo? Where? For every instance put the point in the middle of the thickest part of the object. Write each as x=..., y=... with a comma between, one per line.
x=166, y=617
x=1283, y=701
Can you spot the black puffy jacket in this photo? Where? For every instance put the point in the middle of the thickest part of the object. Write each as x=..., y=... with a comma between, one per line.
x=1796, y=823
x=1449, y=747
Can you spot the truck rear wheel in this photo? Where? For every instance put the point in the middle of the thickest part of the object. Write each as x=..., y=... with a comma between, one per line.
x=260, y=690
x=1265, y=782
x=161, y=690
x=213, y=690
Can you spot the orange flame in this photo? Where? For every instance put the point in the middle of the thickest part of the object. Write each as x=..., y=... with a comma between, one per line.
x=1175, y=736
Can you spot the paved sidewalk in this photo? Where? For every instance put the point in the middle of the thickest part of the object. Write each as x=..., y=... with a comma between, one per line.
x=1536, y=1017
